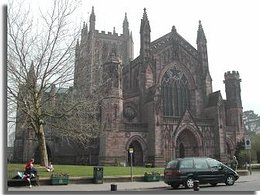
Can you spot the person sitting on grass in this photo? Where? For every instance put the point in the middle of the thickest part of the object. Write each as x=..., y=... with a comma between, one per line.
x=49, y=167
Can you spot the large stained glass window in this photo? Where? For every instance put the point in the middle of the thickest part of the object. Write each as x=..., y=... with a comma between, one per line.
x=175, y=93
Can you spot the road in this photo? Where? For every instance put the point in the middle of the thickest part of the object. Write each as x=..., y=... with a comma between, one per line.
x=248, y=183
x=247, y=186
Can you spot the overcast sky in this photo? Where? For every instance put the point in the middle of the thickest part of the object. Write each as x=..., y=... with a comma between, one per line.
x=232, y=29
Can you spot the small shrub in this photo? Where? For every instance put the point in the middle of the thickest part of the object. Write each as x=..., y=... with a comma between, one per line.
x=152, y=173
x=255, y=166
x=148, y=165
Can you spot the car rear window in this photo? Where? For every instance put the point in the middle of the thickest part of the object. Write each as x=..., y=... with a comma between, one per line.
x=172, y=164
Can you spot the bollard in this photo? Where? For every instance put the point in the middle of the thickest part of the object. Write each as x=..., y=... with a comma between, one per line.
x=113, y=187
x=196, y=186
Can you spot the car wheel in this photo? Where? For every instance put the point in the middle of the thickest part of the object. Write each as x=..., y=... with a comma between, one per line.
x=175, y=186
x=230, y=180
x=189, y=183
x=213, y=184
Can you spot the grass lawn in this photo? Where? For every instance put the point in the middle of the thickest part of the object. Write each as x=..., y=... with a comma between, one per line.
x=82, y=170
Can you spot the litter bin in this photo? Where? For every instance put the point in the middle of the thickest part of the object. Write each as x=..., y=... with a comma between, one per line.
x=98, y=175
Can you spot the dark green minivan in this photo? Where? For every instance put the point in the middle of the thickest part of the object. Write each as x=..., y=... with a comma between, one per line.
x=206, y=170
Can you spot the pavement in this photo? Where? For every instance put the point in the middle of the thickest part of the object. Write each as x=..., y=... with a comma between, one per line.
x=112, y=186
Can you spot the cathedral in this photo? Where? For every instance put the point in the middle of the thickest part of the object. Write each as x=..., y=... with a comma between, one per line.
x=159, y=104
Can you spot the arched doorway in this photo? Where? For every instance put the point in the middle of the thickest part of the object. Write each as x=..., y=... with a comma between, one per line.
x=186, y=145
x=137, y=154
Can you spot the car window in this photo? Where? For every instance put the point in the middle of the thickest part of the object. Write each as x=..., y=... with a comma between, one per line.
x=186, y=164
x=172, y=164
x=213, y=163
x=200, y=163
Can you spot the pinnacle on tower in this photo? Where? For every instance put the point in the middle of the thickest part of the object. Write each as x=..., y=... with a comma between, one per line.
x=125, y=19
x=145, y=15
x=31, y=78
x=92, y=20
x=114, y=30
x=145, y=22
x=31, y=70
x=92, y=11
x=84, y=31
x=125, y=26
x=174, y=29
x=200, y=34
x=145, y=36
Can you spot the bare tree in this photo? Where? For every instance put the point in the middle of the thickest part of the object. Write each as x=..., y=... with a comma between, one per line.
x=40, y=54
x=80, y=124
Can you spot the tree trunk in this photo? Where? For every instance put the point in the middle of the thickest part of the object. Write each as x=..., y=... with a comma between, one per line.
x=42, y=147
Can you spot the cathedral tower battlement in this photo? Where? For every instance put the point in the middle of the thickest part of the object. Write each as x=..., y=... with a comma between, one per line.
x=233, y=91
x=232, y=75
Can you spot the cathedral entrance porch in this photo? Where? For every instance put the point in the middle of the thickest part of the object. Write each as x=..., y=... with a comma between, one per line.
x=187, y=144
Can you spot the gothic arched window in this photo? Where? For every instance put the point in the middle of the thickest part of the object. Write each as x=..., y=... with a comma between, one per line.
x=175, y=93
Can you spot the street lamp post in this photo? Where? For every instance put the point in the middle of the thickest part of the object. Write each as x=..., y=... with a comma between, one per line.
x=131, y=151
x=248, y=148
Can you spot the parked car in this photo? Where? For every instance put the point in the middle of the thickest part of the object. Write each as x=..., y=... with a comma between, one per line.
x=206, y=170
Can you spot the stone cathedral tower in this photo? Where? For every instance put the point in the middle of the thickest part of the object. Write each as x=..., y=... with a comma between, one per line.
x=234, y=109
x=94, y=50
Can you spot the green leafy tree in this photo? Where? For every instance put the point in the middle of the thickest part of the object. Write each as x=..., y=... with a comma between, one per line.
x=251, y=121
x=256, y=147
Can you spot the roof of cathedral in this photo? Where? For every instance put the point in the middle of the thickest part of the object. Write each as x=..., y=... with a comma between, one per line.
x=214, y=98
x=165, y=39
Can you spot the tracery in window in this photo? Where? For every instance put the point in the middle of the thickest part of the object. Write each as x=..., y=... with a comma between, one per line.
x=175, y=93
